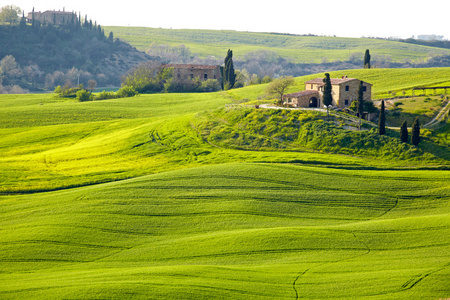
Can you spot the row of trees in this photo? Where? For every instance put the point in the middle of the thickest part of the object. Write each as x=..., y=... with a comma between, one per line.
x=415, y=130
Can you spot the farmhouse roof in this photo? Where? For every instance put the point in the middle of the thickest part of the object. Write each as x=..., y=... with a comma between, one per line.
x=186, y=66
x=302, y=93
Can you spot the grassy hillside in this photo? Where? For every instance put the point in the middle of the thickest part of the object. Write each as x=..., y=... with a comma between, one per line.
x=306, y=49
x=260, y=231
x=48, y=143
x=385, y=81
x=173, y=196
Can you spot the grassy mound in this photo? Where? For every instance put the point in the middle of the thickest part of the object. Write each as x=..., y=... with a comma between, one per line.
x=259, y=129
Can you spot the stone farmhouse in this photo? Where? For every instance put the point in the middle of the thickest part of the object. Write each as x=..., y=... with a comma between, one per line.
x=203, y=72
x=344, y=92
x=52, y=16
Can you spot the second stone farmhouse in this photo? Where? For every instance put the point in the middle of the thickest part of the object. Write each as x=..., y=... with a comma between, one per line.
x=344, y=92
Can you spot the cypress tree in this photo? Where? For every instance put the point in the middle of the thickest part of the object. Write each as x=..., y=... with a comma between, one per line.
x=382, y=120
x=367, y=60
x=23, y=22
x=360, y=103
x=327, y=97
x=415, y=134
x=229, y=76
x=404, y=132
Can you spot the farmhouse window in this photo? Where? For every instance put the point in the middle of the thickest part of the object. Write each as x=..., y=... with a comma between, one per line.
x=347, y=88
x=205, y=76
x=346, y=101
x=364, y=88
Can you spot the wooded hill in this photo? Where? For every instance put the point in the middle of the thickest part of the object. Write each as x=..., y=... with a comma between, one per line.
x=44, y=56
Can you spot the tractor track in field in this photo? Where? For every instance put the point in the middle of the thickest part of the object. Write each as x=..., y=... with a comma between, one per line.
x=300, y=275
x=419, y=277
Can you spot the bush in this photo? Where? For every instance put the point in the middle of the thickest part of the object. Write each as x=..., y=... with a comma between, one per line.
x=182, y=86
x=106, y=95
x=210, y=85
x=83, y=95
x=126, y=91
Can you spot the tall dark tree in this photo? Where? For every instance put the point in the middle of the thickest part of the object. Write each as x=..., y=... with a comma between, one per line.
x=360, y=103
x=382, y=119
x=229, y=76
x=327, y=97
x=415, y=134
x=32, y=18
x=367, y=60
x=404, y=132
x=23, y=21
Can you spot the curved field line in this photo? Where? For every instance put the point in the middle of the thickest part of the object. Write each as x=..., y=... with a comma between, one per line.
x=368, y=250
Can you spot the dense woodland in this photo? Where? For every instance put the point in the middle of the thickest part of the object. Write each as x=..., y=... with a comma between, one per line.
x=41, y=56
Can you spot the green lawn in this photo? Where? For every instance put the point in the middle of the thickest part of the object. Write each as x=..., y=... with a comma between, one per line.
x=143, y=198
x=305, y=49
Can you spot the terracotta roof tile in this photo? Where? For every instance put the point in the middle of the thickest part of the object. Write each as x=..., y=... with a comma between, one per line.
x=186, y=66
x=302, y=93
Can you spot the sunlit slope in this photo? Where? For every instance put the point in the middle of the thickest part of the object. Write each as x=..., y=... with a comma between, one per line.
x=302, y=49
x=385, y=82
x=48, y=143
x=240, y=231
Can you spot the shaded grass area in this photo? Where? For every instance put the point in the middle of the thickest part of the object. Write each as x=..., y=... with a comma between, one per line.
x=233, y=230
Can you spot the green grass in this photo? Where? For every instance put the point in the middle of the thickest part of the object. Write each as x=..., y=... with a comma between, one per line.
x=142, y=198
x=49, y=143
x=424, y=107
x=385, y=82
x=305, y=49
x=237, y=231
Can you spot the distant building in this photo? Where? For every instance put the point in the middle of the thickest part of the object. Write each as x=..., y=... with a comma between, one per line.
x=52, y=16
x=344, y=92
x=203, y=72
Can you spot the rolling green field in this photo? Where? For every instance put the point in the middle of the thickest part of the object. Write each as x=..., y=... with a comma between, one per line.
x=145, y=198
x=305, y=49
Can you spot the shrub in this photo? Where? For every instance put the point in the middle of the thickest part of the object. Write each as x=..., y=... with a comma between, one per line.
x=126, y=91
x=106, y=95
x=83, y=95
x=210, y=85
x=182, y=86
